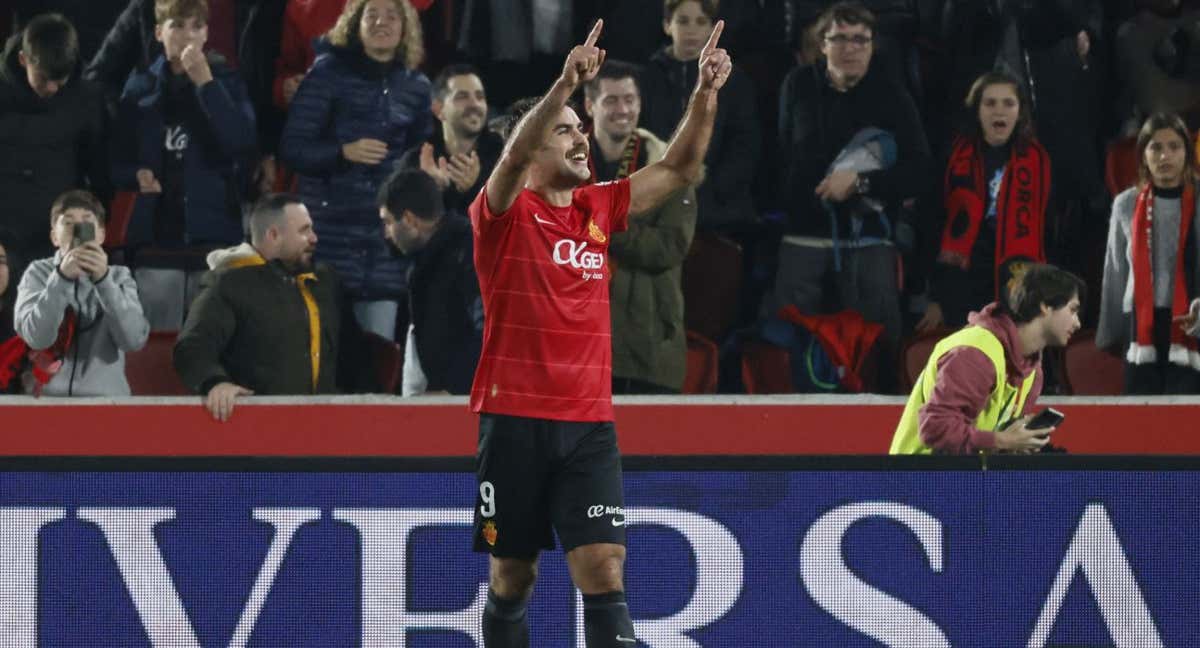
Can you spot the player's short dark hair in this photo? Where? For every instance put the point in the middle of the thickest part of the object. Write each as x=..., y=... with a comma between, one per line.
x=268, y=211
x=517, y=111
x=613, y=70
x=77, y=199
x=51, y=45
x=441, y=82
x=412, y=190
x=1040, y=284
x=709, y=7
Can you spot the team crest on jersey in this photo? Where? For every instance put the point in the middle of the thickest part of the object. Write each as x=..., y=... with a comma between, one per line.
x=489, y=532
x=596, y=233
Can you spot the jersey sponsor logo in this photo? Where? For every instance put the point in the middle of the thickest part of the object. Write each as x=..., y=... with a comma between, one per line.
x=575, y=254
x=600, y=510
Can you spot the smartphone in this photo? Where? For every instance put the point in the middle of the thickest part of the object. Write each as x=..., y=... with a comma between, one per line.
x=1045, y=419
x=83, y=233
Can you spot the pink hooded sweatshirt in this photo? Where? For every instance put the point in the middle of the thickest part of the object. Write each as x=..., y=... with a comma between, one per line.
x=965, y=379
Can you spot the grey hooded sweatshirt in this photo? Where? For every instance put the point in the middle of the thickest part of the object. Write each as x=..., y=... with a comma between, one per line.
x=111, y=323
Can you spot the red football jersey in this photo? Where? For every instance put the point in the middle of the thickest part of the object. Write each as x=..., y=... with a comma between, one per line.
x=543, y=274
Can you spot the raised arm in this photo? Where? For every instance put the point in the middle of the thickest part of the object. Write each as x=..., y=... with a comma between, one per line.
x=581, y=65
x=682, y=163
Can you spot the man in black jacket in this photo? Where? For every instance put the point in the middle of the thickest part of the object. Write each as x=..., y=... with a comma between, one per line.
x=268, y=321
x=52, y=129
x=446, y=330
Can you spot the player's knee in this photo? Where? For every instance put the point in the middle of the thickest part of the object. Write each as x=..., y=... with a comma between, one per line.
x=598, y=568
x=512, y=578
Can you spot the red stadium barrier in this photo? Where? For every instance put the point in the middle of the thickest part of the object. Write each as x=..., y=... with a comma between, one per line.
x=355, y=426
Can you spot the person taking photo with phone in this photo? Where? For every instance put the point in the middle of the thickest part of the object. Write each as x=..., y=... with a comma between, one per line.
x=77, y=314
x=978, y=390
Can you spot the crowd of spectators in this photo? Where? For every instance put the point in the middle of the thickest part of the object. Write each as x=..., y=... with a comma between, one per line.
x=283, y=174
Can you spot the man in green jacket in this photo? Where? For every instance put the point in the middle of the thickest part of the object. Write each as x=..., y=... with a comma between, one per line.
x=267, y=321
x=646, y=298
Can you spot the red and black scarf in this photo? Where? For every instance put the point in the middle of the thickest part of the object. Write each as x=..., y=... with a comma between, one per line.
x=631, y=159
x=1020, y=205
x=44, y=363
x=1183, y=346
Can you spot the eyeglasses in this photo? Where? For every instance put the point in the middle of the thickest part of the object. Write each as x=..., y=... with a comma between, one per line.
x=842, y=40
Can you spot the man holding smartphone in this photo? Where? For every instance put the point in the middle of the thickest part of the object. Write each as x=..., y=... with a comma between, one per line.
x=78, y=314
x=978, y=390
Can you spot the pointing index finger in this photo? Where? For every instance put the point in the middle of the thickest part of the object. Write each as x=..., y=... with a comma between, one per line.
x=594, y=35
x=713, y=38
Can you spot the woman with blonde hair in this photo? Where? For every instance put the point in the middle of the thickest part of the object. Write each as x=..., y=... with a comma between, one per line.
x=361, y=106
x=1150, y=268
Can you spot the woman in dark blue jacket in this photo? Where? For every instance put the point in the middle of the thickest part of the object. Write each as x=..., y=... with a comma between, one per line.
x=361, y=106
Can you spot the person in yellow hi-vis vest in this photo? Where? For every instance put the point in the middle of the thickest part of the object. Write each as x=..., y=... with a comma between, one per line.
x=980, y=383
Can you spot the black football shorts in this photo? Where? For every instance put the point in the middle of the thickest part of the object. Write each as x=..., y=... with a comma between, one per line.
x=540, y=476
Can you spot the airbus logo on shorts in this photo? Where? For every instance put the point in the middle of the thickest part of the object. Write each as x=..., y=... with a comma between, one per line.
x=575, y=254
x=600, y=510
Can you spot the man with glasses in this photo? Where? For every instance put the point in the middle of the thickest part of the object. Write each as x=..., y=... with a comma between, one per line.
x=838, y=118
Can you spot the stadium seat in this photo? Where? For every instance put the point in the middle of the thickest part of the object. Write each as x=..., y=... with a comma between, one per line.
x=712, y=280
x=388, y=358
x=151, y=370
x=120, y=210
x=766, y=368
x=915, y=352
x=702, y=357
x=1090, y=371
x=1120, y=165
